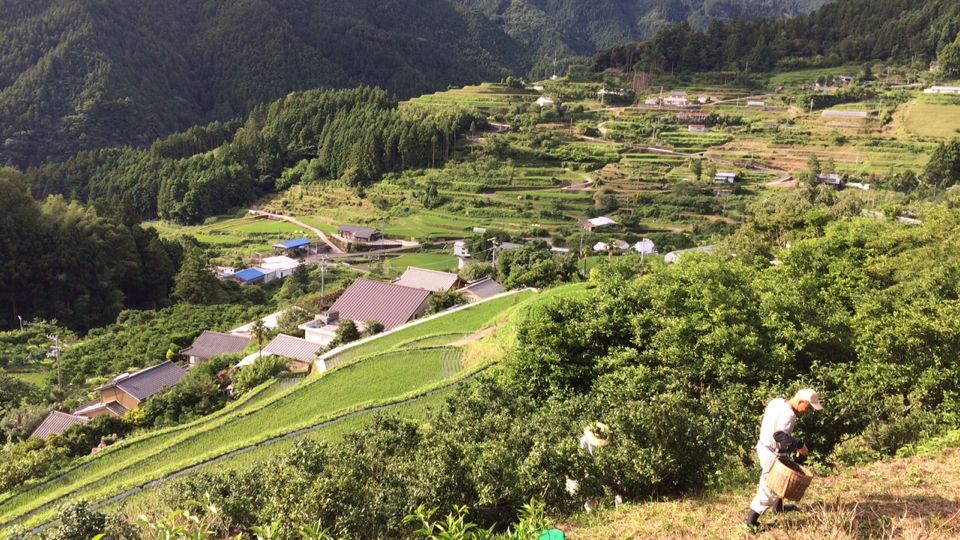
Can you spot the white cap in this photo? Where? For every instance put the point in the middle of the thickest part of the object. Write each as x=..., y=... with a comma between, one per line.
x=810, y=396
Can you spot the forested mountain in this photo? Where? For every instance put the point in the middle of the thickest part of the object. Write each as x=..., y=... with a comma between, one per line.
x=354, y=135
x=83, y=74
x=577, y=27
x=845, y=31
x=70, y=262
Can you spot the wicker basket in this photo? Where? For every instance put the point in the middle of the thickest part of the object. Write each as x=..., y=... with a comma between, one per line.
x=788, y=479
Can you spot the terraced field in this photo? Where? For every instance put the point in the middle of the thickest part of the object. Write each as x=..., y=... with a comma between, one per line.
x=395, y=368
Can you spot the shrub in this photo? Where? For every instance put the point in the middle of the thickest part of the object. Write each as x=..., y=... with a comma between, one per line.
x=260, y=372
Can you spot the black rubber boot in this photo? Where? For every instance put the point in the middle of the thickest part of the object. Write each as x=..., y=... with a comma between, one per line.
x=753, y=522
x=782, y=508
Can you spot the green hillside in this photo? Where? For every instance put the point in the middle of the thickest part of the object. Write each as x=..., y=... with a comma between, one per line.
x=92, y=74
x=398, y=367
x=574, y=27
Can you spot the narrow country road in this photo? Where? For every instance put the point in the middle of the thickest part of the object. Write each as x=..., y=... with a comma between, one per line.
x=323, y=236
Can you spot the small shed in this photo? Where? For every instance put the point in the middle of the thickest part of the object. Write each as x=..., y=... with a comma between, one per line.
x=725, y=178
x=481, y=289
x=290, y=247
x=544, y=101
x=596, y=223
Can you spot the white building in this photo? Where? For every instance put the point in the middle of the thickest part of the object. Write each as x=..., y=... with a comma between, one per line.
x=544, y=101
x=725, y=178
x=601, y=222
x=645, y=247
x=677, y=99
x=942, y=90
x=277, y=267
x=675, y=256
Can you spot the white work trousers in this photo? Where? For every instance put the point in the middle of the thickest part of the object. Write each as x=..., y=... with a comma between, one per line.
x=765, y=497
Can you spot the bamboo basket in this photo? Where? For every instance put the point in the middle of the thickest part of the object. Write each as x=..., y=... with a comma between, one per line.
x=789, y=480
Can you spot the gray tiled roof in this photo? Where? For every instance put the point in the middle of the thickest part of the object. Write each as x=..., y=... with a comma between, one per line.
x=368, y=300
x=213, y=344
x=292, y=347
x=56, y=423
x=147, y=382
x=485, y=288
x=428, y=280
x=358, y=231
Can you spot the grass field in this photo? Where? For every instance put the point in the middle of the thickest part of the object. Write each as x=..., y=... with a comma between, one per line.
x=375, y=372
x=430, y=261
x=933, y=116
x=808, y=76
x=39, y=378
x=483, y=96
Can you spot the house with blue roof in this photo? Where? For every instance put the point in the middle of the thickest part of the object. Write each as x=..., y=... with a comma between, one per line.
x=248, y=276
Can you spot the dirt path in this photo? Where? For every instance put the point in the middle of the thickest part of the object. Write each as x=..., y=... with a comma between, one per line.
x=473, y=337
x=323, y=236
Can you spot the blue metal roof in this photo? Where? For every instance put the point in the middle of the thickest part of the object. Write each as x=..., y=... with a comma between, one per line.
x=249, y=274
x=293, y=244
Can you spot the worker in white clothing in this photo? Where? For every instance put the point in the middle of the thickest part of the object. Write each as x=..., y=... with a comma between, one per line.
x=777, y=440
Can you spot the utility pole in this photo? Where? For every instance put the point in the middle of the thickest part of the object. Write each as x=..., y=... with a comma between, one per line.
x=21, y=322
x=55, y=353
x=494, y=251
x=323, y=274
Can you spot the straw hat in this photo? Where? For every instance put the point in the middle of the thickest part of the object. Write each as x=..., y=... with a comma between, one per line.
x=597, y=434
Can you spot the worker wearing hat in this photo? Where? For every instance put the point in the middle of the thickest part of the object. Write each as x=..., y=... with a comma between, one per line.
x=777, y=440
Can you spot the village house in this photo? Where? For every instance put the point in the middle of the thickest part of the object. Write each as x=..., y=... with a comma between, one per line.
x=725, y=178
x=277, y=267
x=428, y=280
x=300, y=352
x=597, y=223
x=368, y=300
x=652, y=100
x=358, y=233
x=481, y=290
x=56, y=423
x=830, y=179
x=676, y=99
x=127, y=391
x=544, y=101
x=212, y=344
x=248, y=276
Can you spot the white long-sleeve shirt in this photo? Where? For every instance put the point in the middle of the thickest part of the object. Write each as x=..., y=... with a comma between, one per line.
x=778, y=416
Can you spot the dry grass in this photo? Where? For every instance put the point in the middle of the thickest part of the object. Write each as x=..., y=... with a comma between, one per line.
x=909, y=499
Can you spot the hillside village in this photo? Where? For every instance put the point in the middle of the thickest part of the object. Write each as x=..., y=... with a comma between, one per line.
x=549, y=306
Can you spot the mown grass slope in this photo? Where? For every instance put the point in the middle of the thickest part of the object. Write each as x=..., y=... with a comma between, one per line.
x=909, y=498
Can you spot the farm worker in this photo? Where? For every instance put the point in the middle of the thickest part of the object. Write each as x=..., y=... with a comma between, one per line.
x=777, y=440
x=595, y=437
